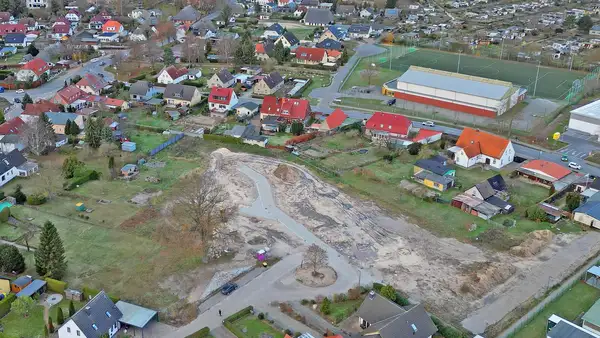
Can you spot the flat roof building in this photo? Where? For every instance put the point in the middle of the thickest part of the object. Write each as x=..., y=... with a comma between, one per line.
x=586, y=119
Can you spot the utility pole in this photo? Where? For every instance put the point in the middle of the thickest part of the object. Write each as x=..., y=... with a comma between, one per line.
x=537, y=74
x=458, y=66
x=391, y=57
x=570, y=62
x=502, y=49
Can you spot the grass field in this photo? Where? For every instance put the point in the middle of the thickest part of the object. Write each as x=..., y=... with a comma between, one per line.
x=16, y=326
x=553, y=83
x=279, y=139
x=577, y=300
x=12, y=59
x=255, y=327
x=300, y=32
x=343, y=310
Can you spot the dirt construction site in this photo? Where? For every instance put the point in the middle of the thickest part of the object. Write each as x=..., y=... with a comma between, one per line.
x=457, y=281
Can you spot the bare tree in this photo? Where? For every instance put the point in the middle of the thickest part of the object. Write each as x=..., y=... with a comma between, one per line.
x=38, y=136
x=118, y=58
x=200, y=206
x=369, y=75
x=153, y=52
x=315, y=257
x=193, y=49
x=137, y=50
x=226, y=48
x=67, y=49
x=204, y=5
x=226, y=13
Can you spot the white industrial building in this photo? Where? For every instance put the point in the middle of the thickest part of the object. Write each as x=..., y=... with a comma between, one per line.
x=457, y=92
x=586, y=119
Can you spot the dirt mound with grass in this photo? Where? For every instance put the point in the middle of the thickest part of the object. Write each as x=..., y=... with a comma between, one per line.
x=484, y=277
x=286, y=173
x=325, y=276
x=535, y=242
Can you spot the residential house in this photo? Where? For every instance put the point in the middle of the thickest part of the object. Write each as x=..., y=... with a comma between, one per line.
x=12, y=127
x=345, y=10
x=366, y=13
x=288, y=40
x=172, y=74
x=33, y=110
x=15, y=40
x=360, y=31
x=108, y=102
x=222, y=78
x=334, y=32
x=382, y=318
x=92, y=84
x=84, y=39
x=269, y=84
x=187, y=16
x=14, y=164
x=138, y=35
x=595, y=30
x=11, y=142
x=111, y=31
x=383, y=127
x=475, y=146
x=194, y=74
x=73, y=16
x=309, y=3
x=70, y=97
x=273, y=32
x=221, y=101
x=435, y=173
x=334, y=121
x=97, y=22
x=129, y=170
x=181, y=95
x=246, y=110
x=310, y=56
x=263, y=50
x=8, y=51
x=33, y=70
x=318, y=17
x=36, y=3
x=59, y=121
x=98, y=317
x=330, y=44
x=392, y=13
x=30, y=23
x=6, y=17
x=589, y=213
x=591, y=319
x=285, y=108
x=61, y=28
x=7, y=28
x=165, y=32
x=542, y=172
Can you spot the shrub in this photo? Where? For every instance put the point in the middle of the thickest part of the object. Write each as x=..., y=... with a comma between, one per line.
x=203, y=333
x=89, y=175
x=38, y=198
x=354, y=293
x=507, y=222
x=288, y=332
x=304, y=301
x=414, y=148
x=50, y=325
x=326, y=306
x=261, y=316
x=56, y=285
x=377, y=286
x=6, y=303
x=389, y=292
x=19, y=196
x=243, y=312
x=338, y=317
x=535, y=213
x=224, y=139
x=4, y=215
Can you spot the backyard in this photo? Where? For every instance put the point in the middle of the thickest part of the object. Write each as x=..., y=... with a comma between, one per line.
x=17, y=326
x=250, y=326
x=12, y=59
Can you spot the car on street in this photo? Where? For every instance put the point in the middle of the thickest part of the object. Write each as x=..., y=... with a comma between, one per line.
x=94, y=60
x=20, y=91
x=1, y=89
x=101, y=75
x=429, y=124
x=564, y=158
x=391, y=102
x=574, y=165
x=16, y=100
x=102, y=63
x=228, y=288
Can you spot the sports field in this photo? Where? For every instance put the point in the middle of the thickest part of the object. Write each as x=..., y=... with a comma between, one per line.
x=553, y=83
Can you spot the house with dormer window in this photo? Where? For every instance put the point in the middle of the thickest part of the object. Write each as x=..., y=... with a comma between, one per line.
x=221, y=100
x=285, y=108
x=100, y=316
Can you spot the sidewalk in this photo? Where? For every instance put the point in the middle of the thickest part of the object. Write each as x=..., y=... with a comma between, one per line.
x=211, y=302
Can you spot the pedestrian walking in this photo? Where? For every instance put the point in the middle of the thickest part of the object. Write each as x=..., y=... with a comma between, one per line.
x=219, y=312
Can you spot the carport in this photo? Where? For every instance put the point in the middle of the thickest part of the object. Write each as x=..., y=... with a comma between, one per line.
x=592, y=276
x=135, y=316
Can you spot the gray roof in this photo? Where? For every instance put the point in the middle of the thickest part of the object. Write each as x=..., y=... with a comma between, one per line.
x=60, y=118
x=565, y=330
x=32, y=288
x=179, y=92
x=273, y=79
x=188, y=13
x=359, y=28
x=436, y=167
x=590, y=208
x=330, y=44
x=140, y=88
x=412, y=323
x=308, y=3
x=447, y=81
x=22, y=281
x=291, y=38
x=318, y=16
x=277, y=28
x=376, y=308
x=595, y=28
x=135, y=315
x=224, y=75
x=485, y=189
x=11, y=139
x=95, y=313
x=14, y=38
x=249, y=105
x=345, y=9
x=203, y=25
x=236, y=131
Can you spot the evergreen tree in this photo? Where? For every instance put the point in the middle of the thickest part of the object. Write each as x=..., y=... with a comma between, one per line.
x=75, y=129
x=93, y=132
x=106, y=134
x=297, y=127
x=70, y=166
x=19, y=196
x=50, y=255
x=168, y=57
x=26, y=99
x=4, y=5
x=245, y=52
x=390, y=4
x=60, y=319
x=111, y=166
x=585, y=23
x=68, y=127
x=71, y=308
x=32, y=50
x=279, y=52
x=11, y=259
x=345, y=57
x=207, y=47
x=326, y=306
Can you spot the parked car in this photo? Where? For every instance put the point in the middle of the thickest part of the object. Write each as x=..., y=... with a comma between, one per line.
x=564, y=158
x=574, y=165
x=16, y=100
x=429, y=124
x=20, y=91
x=1, y=89
x=94, y=60
x=228, y=288
x=102, y=63
x=391, y=102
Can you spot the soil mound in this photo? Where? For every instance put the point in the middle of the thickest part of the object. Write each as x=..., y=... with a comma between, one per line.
x=485, y=278
x=287, y=173
x=535, y=242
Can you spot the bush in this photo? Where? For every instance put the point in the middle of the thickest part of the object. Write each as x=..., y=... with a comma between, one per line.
x=377, y=286
x=19, y=196
x=56, y=285
x=243, y=312
x=414, y=148
x=38, y=198
x=354, y=293
x=261, y=316
x=4, y=215
x=89, y=175
x=535, y=213
x=288, y=332
x=304, y=301
x=5, y=304
x=326, y=306
x=203, y=333
x=507, y=222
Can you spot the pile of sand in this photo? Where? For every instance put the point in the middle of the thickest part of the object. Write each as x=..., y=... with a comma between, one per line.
x=535, y=242
x=486, y=278
x=287, y=173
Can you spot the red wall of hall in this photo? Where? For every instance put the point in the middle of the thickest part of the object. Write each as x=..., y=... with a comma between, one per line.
x=445, y=105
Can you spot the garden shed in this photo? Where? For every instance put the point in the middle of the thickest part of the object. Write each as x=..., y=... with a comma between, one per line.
x=20, y=283
x=592, y=276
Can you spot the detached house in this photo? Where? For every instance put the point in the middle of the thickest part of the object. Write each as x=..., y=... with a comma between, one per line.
x=181, y=95
x=273, y=32
x=15, y=164
x=263, y=50
x=310, y=56
x=475, y=146
x=385, y=126
x=334, y=33
x=33, y=110
x=33, y=70
x=172, y=74
x=97, y=22
x=187, y=16
x=61, y=28
x=318, y=17
x=98, y=317
x=91, y=84
x=333, y=121
x=222, y=78
x=221, y=100
x=111, y=31
x=59, y=121
x=435, y=173
x=142, y=91
x=73, y=16
x=70, y=96
x=7, y=28
x=269, y=84
x=288, y=40
x=285, y=108
x=15, y=40
x=359, y=31
x=330, y=45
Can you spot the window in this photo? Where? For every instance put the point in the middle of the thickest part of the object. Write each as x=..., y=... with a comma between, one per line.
x=68, y=329
x=78, y=333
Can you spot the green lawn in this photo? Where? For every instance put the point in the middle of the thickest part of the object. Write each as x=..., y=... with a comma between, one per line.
x=345, y=141
x=317, y=81
x=140, y=117
x=12, y=59
x=350, y=160
x=64, y=305
x=384, y=74
x=16, y=326
x=301, y=32
x=343, y=310
x=279, y=139
x=146, y=141
x=10, y=233
x=569, y=306
x=255, y=328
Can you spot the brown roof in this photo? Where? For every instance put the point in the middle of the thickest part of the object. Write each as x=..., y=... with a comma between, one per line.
x=175, y=73
x=42, y=106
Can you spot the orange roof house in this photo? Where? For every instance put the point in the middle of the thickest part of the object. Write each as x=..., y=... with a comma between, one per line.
x=475, y=146
x=544, y=172
x=334, y=120
x=112, y=26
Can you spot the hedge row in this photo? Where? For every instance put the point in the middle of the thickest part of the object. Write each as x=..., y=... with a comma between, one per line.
x=223, y=138
x=90, y=175
x=447, y=331
x=319, y=67
x=56, y=285
x=5, y=304
x=228, y=322
x=400, y=300
x=193, y=83
x=89, y=293
x=203, y=333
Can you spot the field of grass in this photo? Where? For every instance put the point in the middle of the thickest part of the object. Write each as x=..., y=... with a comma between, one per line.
x=301, y=32
x=577, y=300
x=140, y=117
x=255, y=327
x=317, y=81
x=12, y=59
x=343, y=310
x=279, y=139
x=350, y=160
x=16, y=326
x=345, y=141
x=384, y=74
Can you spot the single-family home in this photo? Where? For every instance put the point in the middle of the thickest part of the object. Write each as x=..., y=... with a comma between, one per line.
x=8, y=51
x=92, y=84
x=366, y=13
x=333, y=32
x=138, y=35
x=108, y=102
x=392, y=13
x=359, y=31
x=73, y=16
x=382, y=127
x=187, y=16
x=589, y=213
x=269, y=84
x=61, y=31
x=100, y=316
x=246, y=110
x=382, y=318
x=542, y=172
x=435, y=173
x=345, y=10
x=15, y=40
x=595, y=30
x=330, y=44
x=111, y=31
x=273, y=32
x=181, y=95
x=285, y=108
x=33, y=70
x=7, y=28
x=11, y=142
x=59, y=121
x=333, y=121
x=221, y=100
x=475, y=146
x=29, y=23
x=33, y=110
x=70, y=96
x=318, y=17
x=263, y=50
x=222, y=78
x=12, y=127
x=288, y=40
x=310, y=56
x=172, y=74
x=15, y=164
x=97, y=22
x=194, y=74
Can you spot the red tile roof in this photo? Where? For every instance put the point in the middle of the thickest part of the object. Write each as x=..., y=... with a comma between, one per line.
x=336, y=118
x=91, y=80
x=70, y=94
x=61, y=22
x=13, y=126
x=111, y=26
x=260, y=48
x=548, y=168
x=425, y=133
x=220, y=95
x=62, y=29
x=98, y=18
x=175, y=73
x=333, y=53
x=293, y=109
x=310, y=54
x=6, y=28
x=392, y=123
x=42, y=106
x=37, y=65
x=475, y=142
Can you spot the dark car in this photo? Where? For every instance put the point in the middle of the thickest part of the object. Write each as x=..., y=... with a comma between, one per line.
x=228, y=288
x=17, y=100
x=102, y=63
x=391, y=102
